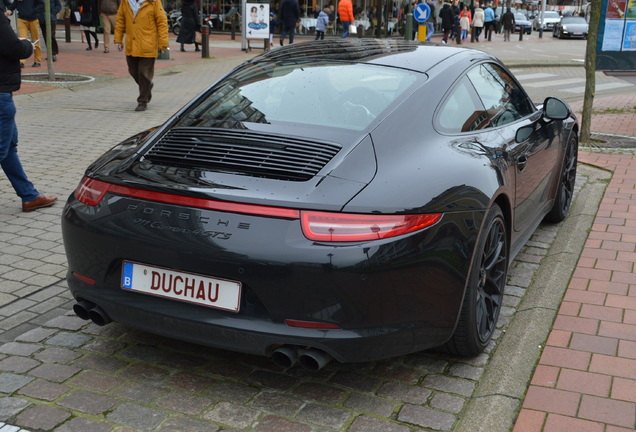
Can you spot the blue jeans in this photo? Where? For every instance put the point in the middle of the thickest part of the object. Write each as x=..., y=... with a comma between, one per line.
x=345, y=28
x=430, y=29
x=9, y=160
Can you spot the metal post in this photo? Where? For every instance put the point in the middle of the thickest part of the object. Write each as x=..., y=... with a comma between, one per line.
x=408, y=25
x=67, y=29
x=542, y=19
x=521, y=31
x=205, y=37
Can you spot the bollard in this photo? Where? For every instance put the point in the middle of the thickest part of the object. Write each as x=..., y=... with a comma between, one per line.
x=472, y=33
x=521, y=31
x=232, y=27
x=67, y=29
x=205, y=37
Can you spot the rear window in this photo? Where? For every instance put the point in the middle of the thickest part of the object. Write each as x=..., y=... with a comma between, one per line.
x=341, y=95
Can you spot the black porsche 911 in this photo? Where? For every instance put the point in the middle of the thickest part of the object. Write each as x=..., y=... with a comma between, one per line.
x=348, y=199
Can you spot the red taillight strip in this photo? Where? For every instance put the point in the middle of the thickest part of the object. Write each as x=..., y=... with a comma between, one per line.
x=205, y=203
x=312, y=324
x=84, y=279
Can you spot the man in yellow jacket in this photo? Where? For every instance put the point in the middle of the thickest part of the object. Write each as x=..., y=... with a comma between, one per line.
x=146, y=27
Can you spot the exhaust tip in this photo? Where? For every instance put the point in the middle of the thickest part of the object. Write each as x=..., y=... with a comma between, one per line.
x=98, y=316
x=285, y=357
x=313, y=359
x=81, y=309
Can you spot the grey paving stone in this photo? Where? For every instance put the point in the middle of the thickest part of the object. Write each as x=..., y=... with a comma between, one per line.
x=87, y=402
x=136, y=416
x=41, y=417
x=277, y=403
x=68, y=339
x=278, y=424
x=44, y=390
x=10, y=382
x=233, y=415
x=80, y=424
x=373, y=424
x=324, y=416
x=369, y=404
x=427, y=417
x=174, y=424
x=11, y=406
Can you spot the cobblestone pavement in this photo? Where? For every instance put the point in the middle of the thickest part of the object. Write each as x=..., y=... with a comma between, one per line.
x=59, y=373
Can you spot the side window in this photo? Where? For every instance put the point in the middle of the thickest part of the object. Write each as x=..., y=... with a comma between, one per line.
x=461, y=111
x=503, y=99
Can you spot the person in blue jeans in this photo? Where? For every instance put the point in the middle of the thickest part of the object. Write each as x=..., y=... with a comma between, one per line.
x=12, y=49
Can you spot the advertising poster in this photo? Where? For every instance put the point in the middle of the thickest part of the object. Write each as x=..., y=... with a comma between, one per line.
x=616, y=39
x=613, y=35
x=257, y=20
x=629, y=41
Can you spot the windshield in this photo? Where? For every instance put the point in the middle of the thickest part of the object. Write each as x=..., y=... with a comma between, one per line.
x=520, y=17
x=342, y=95
x=574, y=20
x=551, y=14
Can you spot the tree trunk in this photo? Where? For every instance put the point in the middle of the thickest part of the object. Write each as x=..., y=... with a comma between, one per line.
x=590, y=71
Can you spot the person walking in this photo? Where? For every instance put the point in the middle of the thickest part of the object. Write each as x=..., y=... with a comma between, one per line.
x=478, y=22
x=289, y=16
x=448, y=19
x=322, y=22
x=12, y=49
x=345, y=12
x=145, y=25
x=108, y=13
x=56, y=7
x=430, y=22
x=28, y=24
x=465, y=21
x=89, y=20
x=508, y=21
x=189, y=24
x=489, y=22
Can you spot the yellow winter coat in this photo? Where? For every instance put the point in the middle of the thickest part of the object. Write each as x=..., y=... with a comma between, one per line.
x=146, y=33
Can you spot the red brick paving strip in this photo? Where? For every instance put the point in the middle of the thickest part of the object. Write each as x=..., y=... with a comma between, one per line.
x=586, y=377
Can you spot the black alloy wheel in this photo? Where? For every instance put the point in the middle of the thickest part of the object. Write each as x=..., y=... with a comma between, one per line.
x=176, y=28
x=565, y=191
x=484, y=293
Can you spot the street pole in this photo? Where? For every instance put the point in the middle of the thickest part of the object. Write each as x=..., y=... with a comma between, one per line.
x=541, y=19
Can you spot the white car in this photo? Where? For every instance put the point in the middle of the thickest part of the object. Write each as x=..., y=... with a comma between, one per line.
x=550, y=18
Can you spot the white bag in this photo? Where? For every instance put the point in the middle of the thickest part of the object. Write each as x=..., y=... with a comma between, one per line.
x=353, y=29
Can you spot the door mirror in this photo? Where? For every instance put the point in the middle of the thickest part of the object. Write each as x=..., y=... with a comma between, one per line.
x=555, y=109
x=523, y=133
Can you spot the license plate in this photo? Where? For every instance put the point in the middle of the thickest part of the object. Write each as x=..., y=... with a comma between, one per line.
x=188, y=287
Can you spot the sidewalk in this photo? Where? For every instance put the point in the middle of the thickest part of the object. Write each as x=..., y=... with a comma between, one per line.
x=585, y=379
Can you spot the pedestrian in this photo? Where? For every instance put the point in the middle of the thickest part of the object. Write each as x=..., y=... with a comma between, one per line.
x=448, y=19
x=430, y=22
x=28, y=24
x=56, y=7
x=189, y=25
x=508, y=21
x=108, y=13
x=89, y=20
x=322, y=23
x=465, y=21
x=4, y=4
x=289, y=16
x=478, y=22
x=489, y=22
x=145, y=25
x=345, y=12
x=12, y=49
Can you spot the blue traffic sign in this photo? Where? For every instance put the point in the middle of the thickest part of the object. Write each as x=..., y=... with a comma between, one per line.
x=421, y=12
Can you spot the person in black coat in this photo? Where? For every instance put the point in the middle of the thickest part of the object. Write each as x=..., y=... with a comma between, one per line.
x=289, y=15
x=189, y=24
x=448, y=20
x=12, y=49
x=89, y=21
x=56, y=7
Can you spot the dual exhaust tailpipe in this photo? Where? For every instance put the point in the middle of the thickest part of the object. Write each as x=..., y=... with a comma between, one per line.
x=311, y=359
x=90, y=311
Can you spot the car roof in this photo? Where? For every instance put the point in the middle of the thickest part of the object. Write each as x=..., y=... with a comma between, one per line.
x=410, y=55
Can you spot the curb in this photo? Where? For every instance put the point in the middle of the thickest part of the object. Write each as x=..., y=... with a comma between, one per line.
x=501, y=390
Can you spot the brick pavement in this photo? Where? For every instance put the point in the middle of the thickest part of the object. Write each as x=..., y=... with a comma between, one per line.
x=60, y=373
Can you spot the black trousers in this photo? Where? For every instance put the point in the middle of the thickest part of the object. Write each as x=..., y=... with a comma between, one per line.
x=53, y=48
x=142, y=69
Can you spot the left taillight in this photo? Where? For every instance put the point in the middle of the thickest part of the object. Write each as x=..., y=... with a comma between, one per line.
x=91, y=191
x=341, y=227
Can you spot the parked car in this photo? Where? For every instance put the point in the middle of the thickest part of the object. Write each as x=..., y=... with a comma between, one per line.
x=298, y=209
x=521, y=22
x=571, y=26
x=549, y=20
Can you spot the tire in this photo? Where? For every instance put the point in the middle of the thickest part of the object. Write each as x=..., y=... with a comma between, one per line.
x=484, y=293
x=176, y=28
x=565, y=189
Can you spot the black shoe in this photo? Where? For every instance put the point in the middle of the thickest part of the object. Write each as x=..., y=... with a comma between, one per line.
x=197, y=50
x=96, y=43
x=21, y=65
x=141, y=107
x=182, y=49
x=54, y=57
x=281, y=42
x=36, y=64
x=90, y=48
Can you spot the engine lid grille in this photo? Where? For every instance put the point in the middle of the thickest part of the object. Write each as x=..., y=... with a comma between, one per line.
x=243, y=152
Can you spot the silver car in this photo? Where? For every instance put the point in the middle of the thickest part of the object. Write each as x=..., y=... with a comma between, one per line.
x=571, y=26
x=550, y=18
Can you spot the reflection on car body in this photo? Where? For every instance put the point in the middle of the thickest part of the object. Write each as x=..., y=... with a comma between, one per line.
x=351, y=199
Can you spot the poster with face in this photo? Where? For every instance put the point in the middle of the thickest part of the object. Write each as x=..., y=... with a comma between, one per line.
x=257, y=20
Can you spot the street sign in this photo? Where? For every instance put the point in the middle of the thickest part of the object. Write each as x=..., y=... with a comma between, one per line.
x=421, y=12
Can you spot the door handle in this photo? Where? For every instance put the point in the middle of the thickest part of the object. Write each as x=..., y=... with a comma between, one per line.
x=521, y=163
